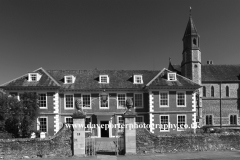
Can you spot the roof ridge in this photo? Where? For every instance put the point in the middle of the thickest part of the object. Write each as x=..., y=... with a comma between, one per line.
x=100, y=70
x=49, y=76
x=221, y=64
x=155, y=77
x=187, y=79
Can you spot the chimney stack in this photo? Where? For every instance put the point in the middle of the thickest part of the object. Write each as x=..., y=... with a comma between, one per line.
x=209, y=62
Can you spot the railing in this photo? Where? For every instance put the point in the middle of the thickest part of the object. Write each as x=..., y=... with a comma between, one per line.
x=93, y=146
x=90, y=146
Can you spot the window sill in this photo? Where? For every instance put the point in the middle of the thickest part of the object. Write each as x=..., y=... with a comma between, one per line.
x=181, y=106
x=163, y=106
x=138, y=107
x=103, y=108
x=69, y=108
x=164, y=130
x=43, y=108
x=87, y=107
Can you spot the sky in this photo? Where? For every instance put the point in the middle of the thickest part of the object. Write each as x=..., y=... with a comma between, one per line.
x=112, y=34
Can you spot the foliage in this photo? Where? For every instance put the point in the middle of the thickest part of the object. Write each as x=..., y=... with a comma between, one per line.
x=8, y=106
x=18, y=117
x=30, y=110
x=5, y=135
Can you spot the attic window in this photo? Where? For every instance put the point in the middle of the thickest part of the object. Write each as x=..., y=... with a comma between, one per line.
x=104, y=79
x=33, y=77
x=138, y=79
x=69, y=79
x=172, y=77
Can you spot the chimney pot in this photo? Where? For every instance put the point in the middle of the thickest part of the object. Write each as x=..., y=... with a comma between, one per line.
x=210, y=62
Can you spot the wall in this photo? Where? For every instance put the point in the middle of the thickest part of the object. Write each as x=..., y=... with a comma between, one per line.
x=95, y=106
x=172, y=110
x=58, y=145
x=150, y=143
x=229, y=105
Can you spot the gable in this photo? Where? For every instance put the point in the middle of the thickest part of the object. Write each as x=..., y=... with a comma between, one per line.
x=161, y=81
x=45, y=81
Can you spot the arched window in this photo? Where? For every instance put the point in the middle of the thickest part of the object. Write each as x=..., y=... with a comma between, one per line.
x=194, y=41
x=204, y=91
x=209, y=120
x=212, y=91
x=233, y=119
x=227, y=91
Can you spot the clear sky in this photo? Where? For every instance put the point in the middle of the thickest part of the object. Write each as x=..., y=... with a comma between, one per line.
x=112, y=34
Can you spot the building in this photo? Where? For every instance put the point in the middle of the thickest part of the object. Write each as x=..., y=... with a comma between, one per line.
x=218, y=99
x=172, y=96
x=151, y=92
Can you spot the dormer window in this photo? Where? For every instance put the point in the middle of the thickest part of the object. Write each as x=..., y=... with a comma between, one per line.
x=172, y=77
x=104, y=79
x=69, y=79
x=33, y=77
x=138, y=79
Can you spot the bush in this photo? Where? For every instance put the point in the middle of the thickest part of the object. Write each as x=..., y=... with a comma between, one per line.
x=18, y=117
x=199, y=131
x=5, y=135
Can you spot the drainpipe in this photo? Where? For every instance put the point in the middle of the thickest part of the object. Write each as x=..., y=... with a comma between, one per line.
x=220, y=104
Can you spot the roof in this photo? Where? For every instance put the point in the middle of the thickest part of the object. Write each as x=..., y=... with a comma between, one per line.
x=45, y=81
x=191, y=28
x=214, y=72
x=161, y=81
x=174, y=68
x=85, y=79
x=89, y=79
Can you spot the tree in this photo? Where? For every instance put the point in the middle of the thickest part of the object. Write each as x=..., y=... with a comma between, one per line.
x=7, y=104
x=18, y=117
x=30, y=111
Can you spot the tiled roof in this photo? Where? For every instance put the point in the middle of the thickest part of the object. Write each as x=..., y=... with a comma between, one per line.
x=45, y=81
x=213, y=72
x=161, y=81
x=175, y=68
x=89, y=79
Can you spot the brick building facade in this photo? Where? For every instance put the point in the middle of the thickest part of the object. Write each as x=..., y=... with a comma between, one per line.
x=218, y=99
x=159, y=97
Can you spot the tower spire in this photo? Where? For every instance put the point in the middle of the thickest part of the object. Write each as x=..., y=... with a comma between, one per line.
x=190, y=29
x=190, y=11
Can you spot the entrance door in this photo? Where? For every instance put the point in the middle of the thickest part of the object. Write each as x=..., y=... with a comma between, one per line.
x=104, y=131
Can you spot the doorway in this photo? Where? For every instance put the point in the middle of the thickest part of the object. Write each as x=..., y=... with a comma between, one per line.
x=104, y=131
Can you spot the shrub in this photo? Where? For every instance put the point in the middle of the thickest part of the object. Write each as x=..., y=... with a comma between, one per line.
x=5, y=135
x=17, y=117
